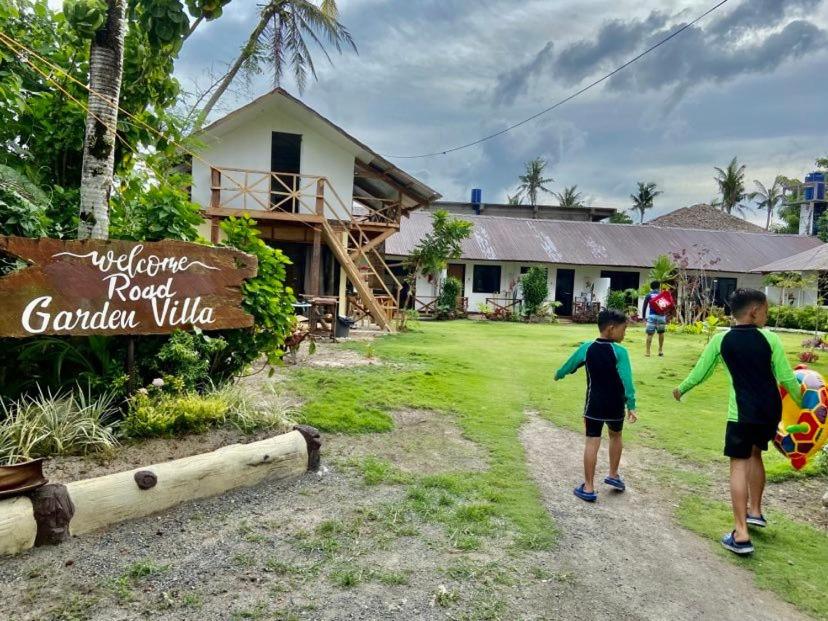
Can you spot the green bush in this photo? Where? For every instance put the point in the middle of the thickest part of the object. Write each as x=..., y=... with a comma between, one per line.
x=152, y=415
x=46, y=425
x=535, y=290
x=447, y=300
x=798, y=318
x=155, y=412
x=617, y=300
x=189, y=357
x=265, y=297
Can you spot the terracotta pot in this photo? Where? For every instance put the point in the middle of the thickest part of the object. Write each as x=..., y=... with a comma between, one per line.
x=23, y=477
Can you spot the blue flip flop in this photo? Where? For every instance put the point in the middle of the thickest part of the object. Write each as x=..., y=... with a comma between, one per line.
x=737, y=547
x=583, y=495
x=616, y=483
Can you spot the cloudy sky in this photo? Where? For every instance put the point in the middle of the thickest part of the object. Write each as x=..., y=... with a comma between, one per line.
x=750, y=80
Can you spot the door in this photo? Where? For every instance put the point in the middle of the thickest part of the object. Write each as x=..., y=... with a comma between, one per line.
x=564, y=291
x=285, y=157
x=458, y=271
x=722, y=288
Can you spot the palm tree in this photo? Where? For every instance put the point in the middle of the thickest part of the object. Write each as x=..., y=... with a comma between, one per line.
x=280, y=38
x=533, y=182
x=731, y=183
x=570, y=198
x=106, y=62
x=767, y=198
x=644, y=199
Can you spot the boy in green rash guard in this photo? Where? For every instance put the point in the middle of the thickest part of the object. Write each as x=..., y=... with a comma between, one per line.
x=755, y=363
x=610, y=391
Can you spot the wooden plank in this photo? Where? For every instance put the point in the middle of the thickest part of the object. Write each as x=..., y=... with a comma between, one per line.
x=18, y=528
x=265, y=215
x=215, y=190
x=109, y=287
x=316, y=262
x=376, y=241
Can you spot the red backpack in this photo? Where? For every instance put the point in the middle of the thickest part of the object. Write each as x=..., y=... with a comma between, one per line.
x=662, y=303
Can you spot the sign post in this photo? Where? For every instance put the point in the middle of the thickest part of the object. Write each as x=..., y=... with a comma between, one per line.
x=112, y=287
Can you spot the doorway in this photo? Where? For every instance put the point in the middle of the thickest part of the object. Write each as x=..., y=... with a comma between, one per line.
x=285, y=157
x=564, y=291
x=458, y=271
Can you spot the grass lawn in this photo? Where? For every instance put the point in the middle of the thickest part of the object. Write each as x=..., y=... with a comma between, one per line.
x=487, y=374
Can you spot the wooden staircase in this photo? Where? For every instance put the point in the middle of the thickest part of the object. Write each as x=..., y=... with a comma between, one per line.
x=334, y=241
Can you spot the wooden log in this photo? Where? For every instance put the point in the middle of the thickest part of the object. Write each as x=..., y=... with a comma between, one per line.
x=116, y=497
x=18, y=528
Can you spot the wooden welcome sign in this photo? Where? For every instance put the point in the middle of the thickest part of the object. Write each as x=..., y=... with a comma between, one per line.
x=121, y=287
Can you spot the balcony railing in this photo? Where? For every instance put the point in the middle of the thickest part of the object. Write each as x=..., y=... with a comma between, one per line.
x=295, y=194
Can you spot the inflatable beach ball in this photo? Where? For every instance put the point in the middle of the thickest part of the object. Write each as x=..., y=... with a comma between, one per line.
x=803, y=430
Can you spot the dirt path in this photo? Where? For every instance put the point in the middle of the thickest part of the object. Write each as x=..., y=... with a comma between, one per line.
x=627, y=552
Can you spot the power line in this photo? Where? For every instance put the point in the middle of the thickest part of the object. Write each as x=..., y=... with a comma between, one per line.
x=568, y=98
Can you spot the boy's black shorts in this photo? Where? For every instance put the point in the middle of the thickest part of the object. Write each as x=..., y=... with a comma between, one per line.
x=594, y=426
x=740, y=438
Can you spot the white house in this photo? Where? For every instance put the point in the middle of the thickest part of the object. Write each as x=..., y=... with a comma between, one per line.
x=587, y=259
x=316, y=192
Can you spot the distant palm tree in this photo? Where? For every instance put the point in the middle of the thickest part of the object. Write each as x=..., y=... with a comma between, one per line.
x=731, y=183
x=569, y=198
x=513, y=200
x=768, y=198
x=280, y=39
x=533, y=182
x=644, y=199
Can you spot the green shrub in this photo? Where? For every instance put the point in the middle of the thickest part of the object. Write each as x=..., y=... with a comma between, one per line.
x=153, y=414
x=535, y=289
x=189, y=357
x=46, y=425
x=447, y=300
x=265, y=297
x=22, y=206
x=617, y=300
x=798, y=318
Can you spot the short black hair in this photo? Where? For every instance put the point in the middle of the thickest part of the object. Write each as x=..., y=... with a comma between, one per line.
x=742, y=299
x=610, y=317
x=655, y=285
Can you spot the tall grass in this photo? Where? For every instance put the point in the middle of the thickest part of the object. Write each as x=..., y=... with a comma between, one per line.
x=56, y=424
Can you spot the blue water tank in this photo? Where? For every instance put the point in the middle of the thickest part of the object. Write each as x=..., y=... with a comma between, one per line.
x=476, y=199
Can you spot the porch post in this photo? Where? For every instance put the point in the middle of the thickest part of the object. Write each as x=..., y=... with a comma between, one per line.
x=215, y=188
x=343, y=280
x=316, y=261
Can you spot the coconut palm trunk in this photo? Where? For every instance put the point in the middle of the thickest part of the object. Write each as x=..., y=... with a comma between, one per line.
x=106, y=59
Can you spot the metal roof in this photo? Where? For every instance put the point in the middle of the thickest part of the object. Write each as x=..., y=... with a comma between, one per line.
x=596, y=243
x=812, y=260
x=419, y=192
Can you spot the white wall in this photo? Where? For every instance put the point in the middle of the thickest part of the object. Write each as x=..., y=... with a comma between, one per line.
x=510, y=272
x=246, y=144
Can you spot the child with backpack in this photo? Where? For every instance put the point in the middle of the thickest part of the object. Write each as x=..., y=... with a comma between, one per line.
x=657, y=306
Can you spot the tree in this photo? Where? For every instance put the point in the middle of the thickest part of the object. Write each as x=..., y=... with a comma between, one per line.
x=532, y=182
x=784, y=282
x=620, y=217
x=279, y=40
x=432, y=254
x=789, y=211
x=822, y=162
x=644, y=199
x=535, y=287
x=731, y=182
x=570, y=198
x=767, y=198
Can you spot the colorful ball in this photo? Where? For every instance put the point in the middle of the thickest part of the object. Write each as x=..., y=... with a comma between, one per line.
x=803, y=431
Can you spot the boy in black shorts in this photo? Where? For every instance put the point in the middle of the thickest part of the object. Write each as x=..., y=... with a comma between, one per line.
x=609, y=393
x=756, y=363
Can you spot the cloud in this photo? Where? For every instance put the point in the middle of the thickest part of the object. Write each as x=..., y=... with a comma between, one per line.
x=515, y=82
x=758, y=14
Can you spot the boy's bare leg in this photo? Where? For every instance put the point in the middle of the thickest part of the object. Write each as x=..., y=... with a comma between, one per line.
x=739, y=474
x=590, y=459
x=661, y=342
x=616, y=445
x=649, y=344
x=756, y=482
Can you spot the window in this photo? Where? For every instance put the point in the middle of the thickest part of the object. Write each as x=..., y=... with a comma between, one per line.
x=621, y=281
x=486, y=279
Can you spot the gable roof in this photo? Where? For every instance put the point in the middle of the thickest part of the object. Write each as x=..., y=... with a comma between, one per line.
x=705, y=217
x=367, y=159
x=811, y=260
x=596, y=243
